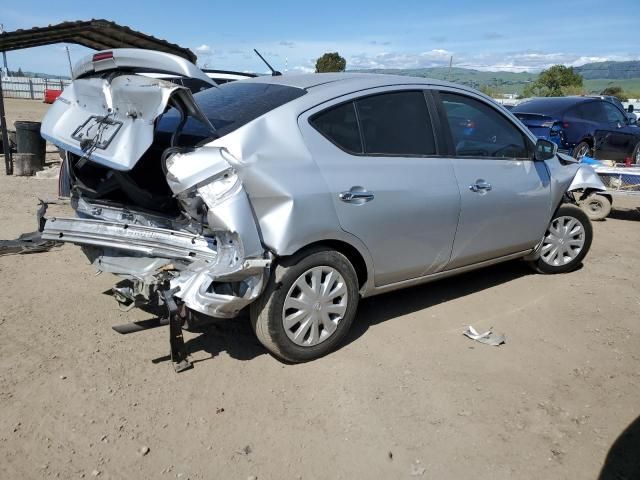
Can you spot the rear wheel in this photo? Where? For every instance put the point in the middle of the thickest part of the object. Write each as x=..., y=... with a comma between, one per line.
x=308, y=305
x=581, y=150
x=566, y=241
x=597, y=207
x=635, y=157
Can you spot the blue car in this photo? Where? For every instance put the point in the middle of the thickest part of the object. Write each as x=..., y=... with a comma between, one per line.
x=583, y=126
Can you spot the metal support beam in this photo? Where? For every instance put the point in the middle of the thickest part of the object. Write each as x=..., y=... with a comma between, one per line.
x=8, y=164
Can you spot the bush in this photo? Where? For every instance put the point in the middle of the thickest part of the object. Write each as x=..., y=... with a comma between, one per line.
x=331, y=62
x=556, y=81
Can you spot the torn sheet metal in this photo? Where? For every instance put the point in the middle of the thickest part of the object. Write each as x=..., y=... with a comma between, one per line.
x=27, y=243
x=487, y=337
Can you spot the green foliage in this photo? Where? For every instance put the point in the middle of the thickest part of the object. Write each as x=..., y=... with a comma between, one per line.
x=331, y=62
x=490, y=91
x=556, y=81
x=615, y=91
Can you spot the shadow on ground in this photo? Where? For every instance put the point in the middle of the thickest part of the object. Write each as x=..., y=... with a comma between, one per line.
x=625, y=214
x=236, y=336
x=623, y=459
x=382, y=308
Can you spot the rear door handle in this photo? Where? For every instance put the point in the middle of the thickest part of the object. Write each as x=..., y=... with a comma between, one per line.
x=480, y=186
x=356, y=195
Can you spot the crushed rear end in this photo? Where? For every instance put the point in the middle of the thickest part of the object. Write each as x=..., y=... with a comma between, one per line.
x=161, y=215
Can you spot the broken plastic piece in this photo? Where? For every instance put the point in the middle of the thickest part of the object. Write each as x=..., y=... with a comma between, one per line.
x=487, y=337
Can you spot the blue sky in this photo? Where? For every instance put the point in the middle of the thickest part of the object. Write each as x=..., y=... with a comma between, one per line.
x=484, y=34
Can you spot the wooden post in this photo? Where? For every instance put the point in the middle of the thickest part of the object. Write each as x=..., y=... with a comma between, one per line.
x=31, y=88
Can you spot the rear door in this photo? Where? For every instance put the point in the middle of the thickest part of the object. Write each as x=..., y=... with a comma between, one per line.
x=391, y=188
x=505, y=195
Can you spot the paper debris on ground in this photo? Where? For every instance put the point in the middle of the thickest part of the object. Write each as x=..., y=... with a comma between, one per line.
x=487, y=337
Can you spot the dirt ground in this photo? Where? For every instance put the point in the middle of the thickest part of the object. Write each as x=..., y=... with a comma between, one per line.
x=408, y=396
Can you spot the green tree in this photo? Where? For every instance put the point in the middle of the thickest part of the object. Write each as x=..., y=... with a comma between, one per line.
x=615, y=91
x=331, y=62
x=20, y=74
x=555, y=81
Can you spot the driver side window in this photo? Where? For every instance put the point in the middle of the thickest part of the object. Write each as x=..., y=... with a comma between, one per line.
x=480, y=131
x=613, y=114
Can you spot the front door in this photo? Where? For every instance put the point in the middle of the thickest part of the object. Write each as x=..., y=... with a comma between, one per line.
x=505, y=194
x=378, y=156
x=618, y=141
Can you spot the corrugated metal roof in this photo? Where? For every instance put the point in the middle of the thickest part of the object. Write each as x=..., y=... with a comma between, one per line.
x=98, y=34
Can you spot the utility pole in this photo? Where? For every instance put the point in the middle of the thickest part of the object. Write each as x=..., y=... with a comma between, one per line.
x=66, y=47
x=450, y=64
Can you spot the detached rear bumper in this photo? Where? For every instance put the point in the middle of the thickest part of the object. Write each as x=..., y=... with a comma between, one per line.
x=210, y=273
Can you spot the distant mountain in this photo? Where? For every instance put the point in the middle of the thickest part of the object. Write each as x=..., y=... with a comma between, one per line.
x=609, y=70
x=596, y=75
x=466, y=76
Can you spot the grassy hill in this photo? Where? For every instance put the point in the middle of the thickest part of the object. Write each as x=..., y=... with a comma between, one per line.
x=597, y=76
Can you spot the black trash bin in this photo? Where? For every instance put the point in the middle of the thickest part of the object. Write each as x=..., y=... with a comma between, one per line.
x=28, y=140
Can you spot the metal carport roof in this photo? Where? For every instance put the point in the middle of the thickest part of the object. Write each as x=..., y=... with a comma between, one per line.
x=98, y=34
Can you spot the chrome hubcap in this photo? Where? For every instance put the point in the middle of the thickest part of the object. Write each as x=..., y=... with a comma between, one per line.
x=563, y=241
x=314, y=306
x=582, y=152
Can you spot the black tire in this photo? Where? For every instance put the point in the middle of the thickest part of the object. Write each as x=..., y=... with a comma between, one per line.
x=579, y=148
x=596, y=206
x=573, y=211
x=267, y=311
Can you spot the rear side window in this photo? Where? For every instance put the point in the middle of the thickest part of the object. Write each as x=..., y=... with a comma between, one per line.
x=592, y=111
x=480, y=131
x=395, y=123
x=340, y=125
x=230, y=106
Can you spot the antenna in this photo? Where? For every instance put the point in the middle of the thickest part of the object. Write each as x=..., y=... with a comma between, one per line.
x=274, y=72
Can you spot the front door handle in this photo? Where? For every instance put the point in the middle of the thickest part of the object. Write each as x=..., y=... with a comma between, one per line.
x=480, y=186
x=356, y=195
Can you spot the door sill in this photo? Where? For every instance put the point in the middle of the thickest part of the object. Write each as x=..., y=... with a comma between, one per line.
x=444, y=274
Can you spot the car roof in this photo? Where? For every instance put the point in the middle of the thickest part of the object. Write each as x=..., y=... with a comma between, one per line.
x=550, y=104
x=345, y=81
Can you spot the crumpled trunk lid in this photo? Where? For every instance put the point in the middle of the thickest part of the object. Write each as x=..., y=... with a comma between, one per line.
x=111, y=120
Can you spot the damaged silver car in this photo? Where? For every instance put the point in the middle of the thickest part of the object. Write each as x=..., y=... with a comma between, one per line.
x=298, y=195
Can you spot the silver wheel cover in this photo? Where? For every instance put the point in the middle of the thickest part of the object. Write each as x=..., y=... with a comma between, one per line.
x=563, y=241
x=314, y=306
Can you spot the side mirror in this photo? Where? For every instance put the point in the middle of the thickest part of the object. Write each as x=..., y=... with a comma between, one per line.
x=545, y=150
x=630, y=108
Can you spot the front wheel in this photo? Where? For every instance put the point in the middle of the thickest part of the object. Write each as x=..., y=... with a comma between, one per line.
x=566, y=241
x=308, y=306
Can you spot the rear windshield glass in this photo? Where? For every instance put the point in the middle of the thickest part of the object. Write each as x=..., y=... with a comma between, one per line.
x=229, y=107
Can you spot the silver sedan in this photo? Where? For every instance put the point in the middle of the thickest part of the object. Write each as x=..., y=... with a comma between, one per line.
x=298, y=195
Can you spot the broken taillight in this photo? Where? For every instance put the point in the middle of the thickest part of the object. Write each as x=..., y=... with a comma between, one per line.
x=102, y=56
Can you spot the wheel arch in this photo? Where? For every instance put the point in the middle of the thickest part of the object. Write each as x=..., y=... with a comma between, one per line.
x=360, y=264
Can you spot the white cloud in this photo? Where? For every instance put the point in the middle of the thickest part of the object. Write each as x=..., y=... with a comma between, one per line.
x=525, y=61
x=302, y=69
x=204, y=49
